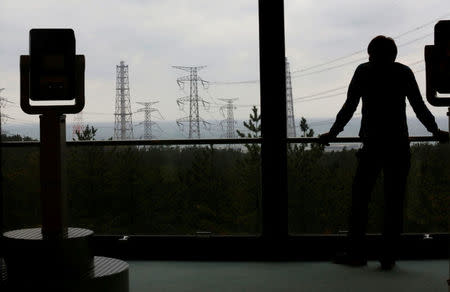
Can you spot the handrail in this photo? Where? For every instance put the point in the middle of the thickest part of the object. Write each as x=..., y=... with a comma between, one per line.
x=356, y=139
x=201, y=141
x=142, y=142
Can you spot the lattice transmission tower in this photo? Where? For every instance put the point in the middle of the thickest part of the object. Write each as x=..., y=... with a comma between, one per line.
x=229, y=122
x=148, y=123
x=78, y=125
x=193, y=119
x=123, y=124
x=289, y=104
x=3, y=116
x=2, y=104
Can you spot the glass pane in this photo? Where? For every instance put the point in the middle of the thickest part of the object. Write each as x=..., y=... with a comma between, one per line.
x=190, y=70
x=143, y=190
x=325, y=42
x=164, y=190
x=20, y=186
x=427, y=198
x=320, y=190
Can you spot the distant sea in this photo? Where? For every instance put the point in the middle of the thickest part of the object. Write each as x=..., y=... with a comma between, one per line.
x=170, y=130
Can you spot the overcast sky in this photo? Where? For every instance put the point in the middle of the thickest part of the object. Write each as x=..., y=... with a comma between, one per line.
x=151, y=36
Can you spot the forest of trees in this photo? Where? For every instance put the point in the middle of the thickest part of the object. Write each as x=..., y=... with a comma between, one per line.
x=184, y=190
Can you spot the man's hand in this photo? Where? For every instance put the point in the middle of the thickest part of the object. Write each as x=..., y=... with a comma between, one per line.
x=442, y=136
x=325, y=139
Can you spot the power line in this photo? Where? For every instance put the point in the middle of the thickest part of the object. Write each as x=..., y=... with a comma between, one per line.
x=321, y=92
x=240, y=105
x=25, y=122
x=322, y=64
x=416, y=40
x=309, y=97
x=422, y=26
x=330, y=121
x=331, y=95
x=340, y=58
x=320, y=97
x=328, y=62
x=234, y=82
x=357, y=60
x=363, y=50
x=328, y=68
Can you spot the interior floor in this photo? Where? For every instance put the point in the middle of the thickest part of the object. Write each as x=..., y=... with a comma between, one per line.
x=410, y=276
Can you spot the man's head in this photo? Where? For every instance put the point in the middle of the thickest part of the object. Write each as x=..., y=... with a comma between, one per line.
x=382, y=49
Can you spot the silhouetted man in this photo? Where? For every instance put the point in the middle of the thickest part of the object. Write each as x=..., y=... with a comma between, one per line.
x=383, y=86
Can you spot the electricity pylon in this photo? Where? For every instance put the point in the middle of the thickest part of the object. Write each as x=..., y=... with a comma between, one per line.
x=3, y=116
x=2, y=101
x=229, y=121
x=123, y=124
x=2, y=104
x=289, y=104
x=193, y=119
x=77, y=125
x=148, y=123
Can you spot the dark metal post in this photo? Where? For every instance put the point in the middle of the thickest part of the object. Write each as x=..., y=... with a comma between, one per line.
x=53, y=175
x=273, y=119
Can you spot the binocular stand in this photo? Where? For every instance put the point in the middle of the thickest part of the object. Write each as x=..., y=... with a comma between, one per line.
x=56, y=257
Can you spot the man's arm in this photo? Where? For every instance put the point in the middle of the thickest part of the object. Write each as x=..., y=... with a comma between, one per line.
x=346, y=112
x=422, y=112
x=419, y=107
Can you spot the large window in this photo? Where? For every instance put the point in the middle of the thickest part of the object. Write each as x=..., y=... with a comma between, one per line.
x=171, y=183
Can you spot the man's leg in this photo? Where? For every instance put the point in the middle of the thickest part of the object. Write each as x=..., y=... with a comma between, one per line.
x=395, y=176
x=366, y=175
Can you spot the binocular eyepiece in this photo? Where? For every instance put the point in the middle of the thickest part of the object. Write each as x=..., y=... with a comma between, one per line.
x=52, y=72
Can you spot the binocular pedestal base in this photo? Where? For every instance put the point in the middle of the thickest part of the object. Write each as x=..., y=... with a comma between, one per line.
x=64, y=264
x=3, y=275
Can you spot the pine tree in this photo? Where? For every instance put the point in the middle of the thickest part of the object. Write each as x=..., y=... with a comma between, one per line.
x=249, y=168
x=254, y=127
x=87, y=134
x=304, y=127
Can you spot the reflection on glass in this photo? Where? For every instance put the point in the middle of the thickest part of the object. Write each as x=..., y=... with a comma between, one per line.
x=164, y=190
x=320, y=187
x=143, y=190
x=21, y=188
